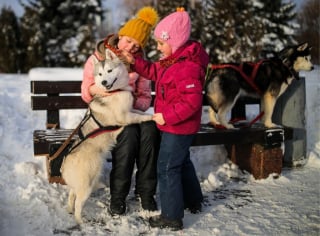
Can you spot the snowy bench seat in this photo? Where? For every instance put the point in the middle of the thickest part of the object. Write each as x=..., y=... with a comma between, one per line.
x=255, y=149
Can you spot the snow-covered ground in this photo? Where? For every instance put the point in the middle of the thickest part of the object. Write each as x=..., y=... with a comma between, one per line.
x=235, y=203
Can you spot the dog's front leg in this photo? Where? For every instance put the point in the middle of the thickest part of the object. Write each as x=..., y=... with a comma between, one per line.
x=268, y=103
x=138, y=112
x=213, y=117
x=222, y=115
x=81, y=196
x=71, y=200
x=132, y=118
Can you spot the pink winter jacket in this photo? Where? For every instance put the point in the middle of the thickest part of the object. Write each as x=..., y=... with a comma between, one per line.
x=179, y=84
x=141, y=86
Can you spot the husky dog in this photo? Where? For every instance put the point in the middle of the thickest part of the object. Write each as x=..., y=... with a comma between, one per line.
x=106, y=116
x=267, y=79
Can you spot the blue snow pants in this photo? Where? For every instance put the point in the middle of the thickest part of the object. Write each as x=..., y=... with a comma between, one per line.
x=177, y=179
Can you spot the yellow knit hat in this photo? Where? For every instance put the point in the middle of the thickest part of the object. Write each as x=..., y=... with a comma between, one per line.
x=140, y=27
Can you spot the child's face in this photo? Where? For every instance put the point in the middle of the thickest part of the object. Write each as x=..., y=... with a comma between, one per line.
x=129, y=44
x=164, y=48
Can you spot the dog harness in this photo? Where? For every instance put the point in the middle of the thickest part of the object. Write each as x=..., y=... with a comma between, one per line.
x=100, y=128
x=82, y=137
x=239, y=68
x=248, y=78
x=94, y=133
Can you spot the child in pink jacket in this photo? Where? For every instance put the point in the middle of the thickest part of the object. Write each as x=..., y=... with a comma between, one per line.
x=138, y=143
x=179, y=78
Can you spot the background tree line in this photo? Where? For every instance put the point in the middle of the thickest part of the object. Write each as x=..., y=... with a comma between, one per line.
x=60, y=33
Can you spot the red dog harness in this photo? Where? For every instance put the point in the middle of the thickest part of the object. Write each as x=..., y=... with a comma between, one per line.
x=248, y=78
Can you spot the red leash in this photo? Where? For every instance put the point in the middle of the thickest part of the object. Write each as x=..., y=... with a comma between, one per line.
x=258, y=117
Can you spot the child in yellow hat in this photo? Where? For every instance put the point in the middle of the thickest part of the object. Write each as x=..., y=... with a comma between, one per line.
x=138, y=143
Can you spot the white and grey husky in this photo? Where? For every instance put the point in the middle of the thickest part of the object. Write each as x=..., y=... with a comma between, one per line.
x=267, y=79
x=81, y=168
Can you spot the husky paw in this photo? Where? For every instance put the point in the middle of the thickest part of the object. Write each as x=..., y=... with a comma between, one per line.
x=79, y=220
x=148, y=118
x=70, y=209
x=219, y=126
x=271, y=125
x=228, y=126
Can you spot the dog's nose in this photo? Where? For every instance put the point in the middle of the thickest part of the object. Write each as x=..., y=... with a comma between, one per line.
x=312, y=67
x=104, y=82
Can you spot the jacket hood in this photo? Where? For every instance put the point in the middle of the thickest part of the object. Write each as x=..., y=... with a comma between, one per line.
x=192, y=51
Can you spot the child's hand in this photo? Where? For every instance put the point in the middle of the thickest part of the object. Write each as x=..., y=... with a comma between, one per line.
x=158, y=118
x=127, y=57
x=97, y=91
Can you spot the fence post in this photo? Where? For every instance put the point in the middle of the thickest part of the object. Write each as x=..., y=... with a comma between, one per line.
x=290, y=111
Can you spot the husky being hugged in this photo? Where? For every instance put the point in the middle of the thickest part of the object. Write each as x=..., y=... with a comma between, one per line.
x=267, y=79
x=100, y=127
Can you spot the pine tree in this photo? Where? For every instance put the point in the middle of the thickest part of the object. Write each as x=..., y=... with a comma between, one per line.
x=279, y=23
x=9, y=41
x=232, y=30
x=32, y=39
x=309, y=30
x=196, y=12
x=246, y=30
x=60, y=33
x=211, y=31
x=166, y=7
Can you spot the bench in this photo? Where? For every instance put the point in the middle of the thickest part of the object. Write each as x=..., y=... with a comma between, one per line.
x=254, y=149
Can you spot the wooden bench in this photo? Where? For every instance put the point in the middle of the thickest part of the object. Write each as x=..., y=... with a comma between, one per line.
x=255, y=149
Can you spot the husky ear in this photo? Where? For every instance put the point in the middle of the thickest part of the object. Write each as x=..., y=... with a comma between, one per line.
x=110, y=55
x=95, y=65
x=302, y=47
x=287, y=53
x=95, y=60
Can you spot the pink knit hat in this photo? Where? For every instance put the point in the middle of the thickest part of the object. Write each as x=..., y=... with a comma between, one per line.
x=174, y=29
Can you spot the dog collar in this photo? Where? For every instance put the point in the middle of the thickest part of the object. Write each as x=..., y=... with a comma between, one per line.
x=114, y=91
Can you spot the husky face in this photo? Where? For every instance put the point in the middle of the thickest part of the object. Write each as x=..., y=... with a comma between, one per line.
x=110, y=74
x=303, y=64
x=298, y=57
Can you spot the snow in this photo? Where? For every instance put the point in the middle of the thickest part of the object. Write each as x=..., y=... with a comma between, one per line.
x=58, y=73
x=235, y=203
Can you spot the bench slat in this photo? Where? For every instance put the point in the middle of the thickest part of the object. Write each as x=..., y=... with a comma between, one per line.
x=57, y=103
x=55, y=87
x=206, y=136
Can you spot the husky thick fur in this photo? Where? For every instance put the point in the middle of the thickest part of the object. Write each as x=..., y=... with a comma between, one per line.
x=81, y=168
x=227, y=82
